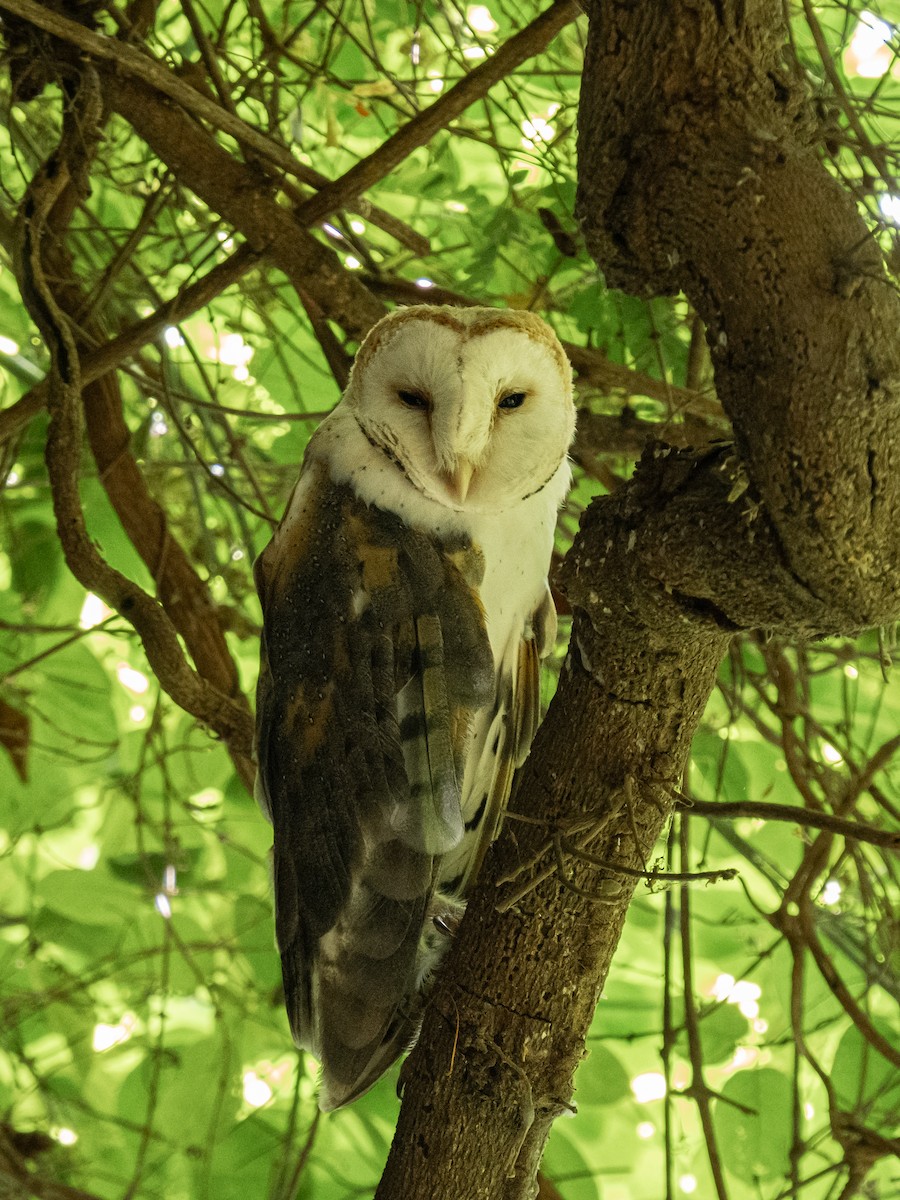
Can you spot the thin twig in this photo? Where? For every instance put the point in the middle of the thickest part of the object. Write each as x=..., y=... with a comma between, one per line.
x=876, y=155
x=566, y=880
x=652, y=876
x=306, y=1149
x=245, y=200
x=736, y=809
x=136, y=63
x=699, y=1089
x=669, y=1031
x=75, y=636
x=840, y=990
x=140, y=65
x=422, y=128
x=95, y=363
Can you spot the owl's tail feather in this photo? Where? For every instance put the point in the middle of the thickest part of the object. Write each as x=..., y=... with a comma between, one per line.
x=363, y=991
x=338, y=1089
x=343, y=1079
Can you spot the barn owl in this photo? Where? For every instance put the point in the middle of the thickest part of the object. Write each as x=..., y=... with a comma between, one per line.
x=406, y=609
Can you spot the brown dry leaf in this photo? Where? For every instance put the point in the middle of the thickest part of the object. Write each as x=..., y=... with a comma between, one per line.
x=15, y=735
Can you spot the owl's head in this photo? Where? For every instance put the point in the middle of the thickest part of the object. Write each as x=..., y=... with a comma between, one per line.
x=474, y=405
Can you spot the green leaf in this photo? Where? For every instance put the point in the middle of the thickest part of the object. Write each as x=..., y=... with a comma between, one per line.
x=43, y=801
x=36, y=559
x=566, y=1162
x=255, y=928
x=239, y=1156
x=865, y=1083
x=601, y=1079
x=147, y=870
x=78, y=697
x=721, y=1030
x=74, y=941
x=626, y=1009
x=89, y=897
x=753, y=1124
x=173, y=1099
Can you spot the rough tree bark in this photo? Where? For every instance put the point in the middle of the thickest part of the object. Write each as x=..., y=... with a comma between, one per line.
x=698, y=171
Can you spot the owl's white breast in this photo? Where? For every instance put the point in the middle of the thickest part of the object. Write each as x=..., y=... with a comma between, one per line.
x=517, y=545
x=516, y=541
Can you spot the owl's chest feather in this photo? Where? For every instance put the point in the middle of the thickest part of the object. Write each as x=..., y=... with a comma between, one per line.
x=515, y=542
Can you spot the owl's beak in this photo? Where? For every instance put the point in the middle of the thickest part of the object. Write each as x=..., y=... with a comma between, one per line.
x=459, y=479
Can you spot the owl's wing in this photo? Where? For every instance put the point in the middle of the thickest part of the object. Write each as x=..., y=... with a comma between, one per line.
x=502, y=737
x=375, y=661
x=540, y=635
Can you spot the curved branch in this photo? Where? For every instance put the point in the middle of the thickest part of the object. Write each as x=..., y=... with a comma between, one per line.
x=183, y=594
x=51, y=197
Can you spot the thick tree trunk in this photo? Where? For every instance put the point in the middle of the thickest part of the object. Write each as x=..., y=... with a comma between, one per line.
x=506, y=1028
x=698, y=172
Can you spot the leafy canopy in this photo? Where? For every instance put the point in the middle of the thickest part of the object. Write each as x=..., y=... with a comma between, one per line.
x=141, y=1004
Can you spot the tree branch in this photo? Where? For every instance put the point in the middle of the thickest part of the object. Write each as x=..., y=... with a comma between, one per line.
x=519, y=988
x=698, y=1087
x=140, y=66
x=52, y=195
x=736, y=809
x=839, y=989
x=699, y=172
x=245, y=198
x=184, y=595
x=528, y=42
x=96, y=361
x=694, y=174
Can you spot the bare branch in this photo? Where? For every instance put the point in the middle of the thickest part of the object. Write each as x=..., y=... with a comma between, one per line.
x=829, y=973
x=59, y=183
x=698, y=1089
x=421, y=129
x=159, y=77
x=246, y=200
x=97, y=361
x=736, y=809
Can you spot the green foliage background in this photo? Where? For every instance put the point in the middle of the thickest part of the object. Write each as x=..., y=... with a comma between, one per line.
x=140, y=1001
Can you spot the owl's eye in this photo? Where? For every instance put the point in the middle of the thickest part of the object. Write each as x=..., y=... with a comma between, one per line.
x=412, y=399
x=512, y=400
